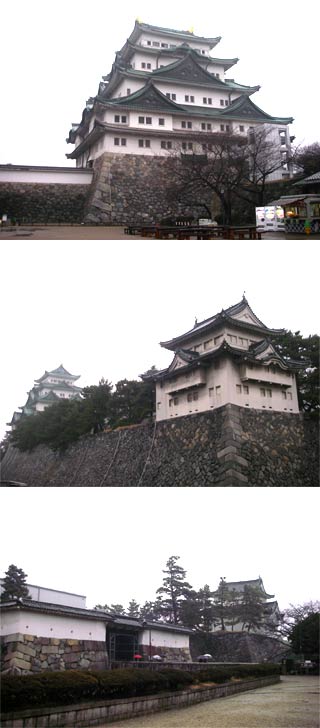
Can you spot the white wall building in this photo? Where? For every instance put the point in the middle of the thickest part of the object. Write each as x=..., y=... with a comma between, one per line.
x=166, y=92
x=226, y=359
x=271, y=616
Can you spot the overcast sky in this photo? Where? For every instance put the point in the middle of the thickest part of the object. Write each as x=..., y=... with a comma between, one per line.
x=112, y=545
x=101, y=308
x=53, y=55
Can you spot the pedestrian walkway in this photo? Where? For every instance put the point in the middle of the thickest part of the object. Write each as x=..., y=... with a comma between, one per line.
x=293, y=703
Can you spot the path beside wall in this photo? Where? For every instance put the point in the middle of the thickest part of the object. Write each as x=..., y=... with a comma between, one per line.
x=230, y=446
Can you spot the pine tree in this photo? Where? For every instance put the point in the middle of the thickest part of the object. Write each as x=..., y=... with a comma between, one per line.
x=133, y=609
x=221, y=607
x=252, y=608
x=14, y=584
x=175, y=589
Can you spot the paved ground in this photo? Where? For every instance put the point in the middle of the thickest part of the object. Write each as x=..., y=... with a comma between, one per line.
x=84, y=232
x=294, y=703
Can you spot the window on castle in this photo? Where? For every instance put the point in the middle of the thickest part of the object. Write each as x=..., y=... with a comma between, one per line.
x=221, y=127
x=123, y=120
x=144, y=143
x=262, y=392
x=241, y=127
x=141, y=119
x=156, y=43
x=148, y=120
x=149, y=66
x=289, y=395
x=117, y=141
x=148, y=42
x=238, y=388
x=284, y=395
x=164, y=45
x=221, y=102
x=211, y=391
x=218, y=391
x=207, y=344
x=143, y=65
x=123, y=142
x=161, y=122
x=227, y=127
x=245, y=389
x=165, y=145
x=204, y=100
x=187, y=146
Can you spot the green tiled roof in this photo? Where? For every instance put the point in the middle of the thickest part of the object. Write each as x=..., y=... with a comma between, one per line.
x=169, y=31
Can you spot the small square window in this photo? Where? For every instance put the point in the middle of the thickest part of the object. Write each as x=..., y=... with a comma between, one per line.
x=141, y=119
x=143, y=65
x=221, y=127
x=183, y=124
x=241, y=127
x=149, y=65
x=169, y=145
x=189, y=124
x=117, y=118
x=147, y=143
x=123, y=142
x=148, y=120
x=192, y=99
x=117, y=141
x=140, y=142
x=209, y=127
x=203, y=126
x=123, y=120
x=161, y=122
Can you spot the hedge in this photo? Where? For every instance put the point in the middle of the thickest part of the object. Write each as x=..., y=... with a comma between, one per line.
x=48, y=689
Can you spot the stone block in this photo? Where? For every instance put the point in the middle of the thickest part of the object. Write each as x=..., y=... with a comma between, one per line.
x=19, y=662
x=51, y=650
x=226, y=451
x=16, y=637
x=54, y=641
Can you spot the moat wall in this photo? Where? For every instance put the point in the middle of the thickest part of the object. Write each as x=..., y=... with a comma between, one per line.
x=230, y=446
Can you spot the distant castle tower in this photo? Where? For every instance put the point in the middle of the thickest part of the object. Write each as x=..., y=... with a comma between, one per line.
x=51, y=387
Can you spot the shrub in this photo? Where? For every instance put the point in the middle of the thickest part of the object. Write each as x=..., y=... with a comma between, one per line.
x=73, y=686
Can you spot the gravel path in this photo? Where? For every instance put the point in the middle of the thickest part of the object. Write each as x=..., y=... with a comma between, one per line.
x=294, y=703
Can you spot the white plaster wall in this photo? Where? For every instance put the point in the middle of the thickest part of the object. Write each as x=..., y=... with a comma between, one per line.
x=198, y=93
x=160, y=638
x=53, y=596
x=131, y=83
x=46, y=625
x=46, y=176
x=172, y=41
x=227, y=377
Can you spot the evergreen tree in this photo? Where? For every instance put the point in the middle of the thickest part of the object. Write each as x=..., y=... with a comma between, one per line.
x=14, y=584
x=131, y=402
x=174, y=590
x=133, y=609
x=221, y=607
x=251, y=608
x=304, y=349
x=304, y=637
x=151, y=611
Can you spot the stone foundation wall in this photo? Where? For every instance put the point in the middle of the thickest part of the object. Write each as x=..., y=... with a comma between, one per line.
x=129, y=188
x=230, y=446
x=169, y=654
x=239, y=647
x=24, y=653
x=43, y=203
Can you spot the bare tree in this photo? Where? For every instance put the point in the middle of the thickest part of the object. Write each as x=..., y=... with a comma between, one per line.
x=228, y=165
